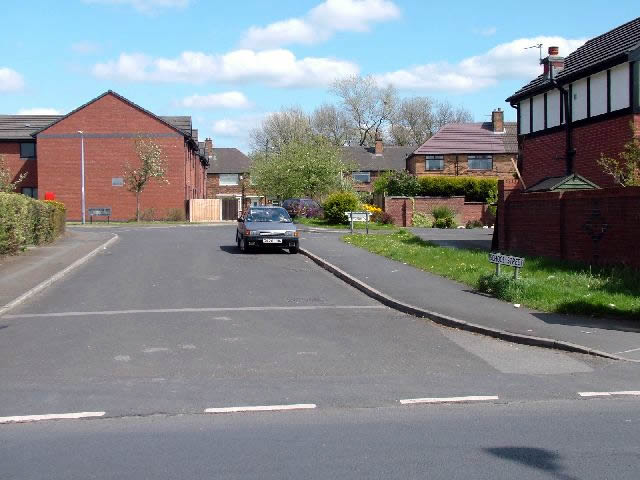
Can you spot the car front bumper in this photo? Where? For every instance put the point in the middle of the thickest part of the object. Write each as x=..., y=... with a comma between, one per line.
x=273, y=241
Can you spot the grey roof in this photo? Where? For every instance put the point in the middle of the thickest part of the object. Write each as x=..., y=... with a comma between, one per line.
x=471, y=138
x=182, y=123
x=229, y=160
x=610, y=47
x=566, y=182
x=392, y=158
x=20, y=127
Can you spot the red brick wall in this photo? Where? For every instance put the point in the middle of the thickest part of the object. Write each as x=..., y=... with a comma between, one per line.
x=592, y=226
x=11, y=152
x=59, y=161
x=544, y=155
x=502, y=166
x=214, y=188
x=403, y=208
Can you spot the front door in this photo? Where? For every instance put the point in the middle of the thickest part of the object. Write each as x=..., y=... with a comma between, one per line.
x=229, y=208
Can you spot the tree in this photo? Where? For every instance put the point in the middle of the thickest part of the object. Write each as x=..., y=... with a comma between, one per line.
x=151, y=165
x=445, y=113
x=626, y=168
x=413, y=121
x=332, y=123
x=311, y=168
x=281, y=128
x=6, y=185
x=367, y=106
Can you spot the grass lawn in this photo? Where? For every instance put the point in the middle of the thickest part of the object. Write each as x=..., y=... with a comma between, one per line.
x=545, y=284
x=322, y=223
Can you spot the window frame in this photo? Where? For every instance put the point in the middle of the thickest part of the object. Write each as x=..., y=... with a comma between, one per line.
x=224, y=184
x=480, y=157
x=361, y=173
x=33, y=192
x=428, y=158
x=34, y=150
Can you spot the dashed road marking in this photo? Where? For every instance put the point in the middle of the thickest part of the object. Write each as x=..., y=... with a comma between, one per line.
x=609, y=394
x=50, y=416
x=262, y=408
x=471, y=398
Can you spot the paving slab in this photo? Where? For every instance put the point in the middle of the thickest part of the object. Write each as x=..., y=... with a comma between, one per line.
x=424, y=290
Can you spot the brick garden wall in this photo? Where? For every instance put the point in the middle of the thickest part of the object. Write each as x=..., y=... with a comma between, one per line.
x=402, y=209
x=591, y=226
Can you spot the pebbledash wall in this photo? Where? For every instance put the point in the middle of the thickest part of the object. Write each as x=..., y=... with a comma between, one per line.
x=110, y=127
x=590, y=226
x=402, y=209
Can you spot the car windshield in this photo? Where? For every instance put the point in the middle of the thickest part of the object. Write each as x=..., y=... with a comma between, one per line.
x=278, y=215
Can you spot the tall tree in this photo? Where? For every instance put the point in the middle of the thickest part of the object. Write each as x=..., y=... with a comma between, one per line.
x=330, y=122
x=368, y=107
x=445, y=113
x=281, y=128
x=413, y=121
x=151, y=164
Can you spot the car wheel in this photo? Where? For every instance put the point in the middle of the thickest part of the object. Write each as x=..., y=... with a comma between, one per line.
x=293, y=250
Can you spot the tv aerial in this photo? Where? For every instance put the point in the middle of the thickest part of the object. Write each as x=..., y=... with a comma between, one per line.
x=538, y=46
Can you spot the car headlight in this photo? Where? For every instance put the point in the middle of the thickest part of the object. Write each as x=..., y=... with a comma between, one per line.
x=289, y=233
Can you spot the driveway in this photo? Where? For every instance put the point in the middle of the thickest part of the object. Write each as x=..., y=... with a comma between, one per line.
x=476, y=238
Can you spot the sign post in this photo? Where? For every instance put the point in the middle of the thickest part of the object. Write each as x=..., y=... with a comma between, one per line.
x=358, y=217
x=100, y=212
x=516, y=262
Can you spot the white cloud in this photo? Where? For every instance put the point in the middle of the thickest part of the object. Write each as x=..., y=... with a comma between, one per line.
x=232, y=99
x=486, y=32
x=321, y=22
x=10, y=80
x=39, y=111
x=145, y=6
x=505, y=61
x=85, y=48
x=238, y=127
x=279, y=68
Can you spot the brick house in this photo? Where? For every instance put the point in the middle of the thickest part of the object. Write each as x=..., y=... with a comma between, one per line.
x=371, y=162
x=477, y=149
x=49, y=148
x=228, y=179
x=580, y=107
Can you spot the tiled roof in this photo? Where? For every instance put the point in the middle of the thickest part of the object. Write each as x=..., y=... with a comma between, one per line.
x=20, y=127
x=471, y=138
x=392, y=158
x=610, y=46
x=229, y=160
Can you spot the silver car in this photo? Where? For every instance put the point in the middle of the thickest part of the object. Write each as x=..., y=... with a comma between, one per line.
x=266, y=227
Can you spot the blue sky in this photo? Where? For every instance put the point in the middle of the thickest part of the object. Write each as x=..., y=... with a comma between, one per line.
x=229, y=63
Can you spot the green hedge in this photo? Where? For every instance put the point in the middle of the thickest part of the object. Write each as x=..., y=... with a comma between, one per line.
x=474, y=189
x=26, y=221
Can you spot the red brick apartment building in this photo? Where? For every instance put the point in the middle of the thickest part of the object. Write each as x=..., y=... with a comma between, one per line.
x=49, y=149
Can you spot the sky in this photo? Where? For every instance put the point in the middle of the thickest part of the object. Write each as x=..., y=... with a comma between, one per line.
x=230, y=63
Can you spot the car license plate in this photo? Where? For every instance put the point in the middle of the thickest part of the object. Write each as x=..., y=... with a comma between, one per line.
x=272, y=240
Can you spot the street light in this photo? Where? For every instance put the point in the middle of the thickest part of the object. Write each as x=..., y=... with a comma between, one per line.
x=82, y=168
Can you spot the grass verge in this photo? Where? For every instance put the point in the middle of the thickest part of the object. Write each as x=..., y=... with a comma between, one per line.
x=545, y=284
x=322, y=223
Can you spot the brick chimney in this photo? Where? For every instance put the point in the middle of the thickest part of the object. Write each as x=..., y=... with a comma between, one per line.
x=552, y=64
x=379, y=145
x=208, y=149
x=497, y=119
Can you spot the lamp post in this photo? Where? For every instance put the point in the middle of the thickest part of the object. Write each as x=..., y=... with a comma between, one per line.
x=82, y=168
x=241, y=176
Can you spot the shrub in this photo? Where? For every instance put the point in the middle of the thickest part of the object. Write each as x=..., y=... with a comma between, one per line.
x=148, y=215
x=399, y=183
x=421, y=220
x=365, y=197
x=444, y=217
x=473, y=189
x=473, y=224
x=382, y=217
x=371, y=208
x=337, y=204
x=176, y=215
x=503, y=286
x=26, y=221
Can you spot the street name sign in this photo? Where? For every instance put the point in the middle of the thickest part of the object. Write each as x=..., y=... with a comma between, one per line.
x=508, y=260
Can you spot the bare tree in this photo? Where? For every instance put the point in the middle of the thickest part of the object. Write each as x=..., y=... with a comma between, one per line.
x=330, y=122
x=281, y=128
x=6, y=185
x=445, y=113
x=367, y=106
x=413, y=121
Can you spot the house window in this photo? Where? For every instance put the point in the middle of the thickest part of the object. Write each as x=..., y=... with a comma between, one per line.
x=30, y=192
x=480, y=162
x=434, y=162
x=27, y=150
x=229, y=179
x=361, y=177
x=117, y=182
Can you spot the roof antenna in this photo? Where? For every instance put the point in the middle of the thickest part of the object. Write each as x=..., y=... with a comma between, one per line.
x=538, y=46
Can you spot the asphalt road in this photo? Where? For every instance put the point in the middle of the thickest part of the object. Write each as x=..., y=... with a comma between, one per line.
x=170, y=321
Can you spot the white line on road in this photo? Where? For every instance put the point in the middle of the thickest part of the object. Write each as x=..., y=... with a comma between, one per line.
x=199, y=310
x=471, y=398
x=608, y=394
x=50, y=416
x=629, y=351
x=262, y=408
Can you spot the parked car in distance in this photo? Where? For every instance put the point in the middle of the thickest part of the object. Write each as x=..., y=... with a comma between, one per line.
x=266, y=227
x=295, y=205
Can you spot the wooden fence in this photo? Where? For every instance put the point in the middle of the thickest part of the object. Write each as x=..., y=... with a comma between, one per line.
x=205, y=210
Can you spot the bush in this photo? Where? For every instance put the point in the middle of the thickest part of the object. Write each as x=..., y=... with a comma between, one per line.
x=337, y=204
x=503, y=286
x=473, y=189
x=382, y=217
x=365, y=197
x=444, y=217
x=148, y=215
x=421, y=220
x=371, y=208
x=397, y=183
x=26, y=221
x=473, y=224
x=176, y=215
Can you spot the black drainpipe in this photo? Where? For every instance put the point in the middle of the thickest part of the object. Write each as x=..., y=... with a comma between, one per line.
x=568, y=123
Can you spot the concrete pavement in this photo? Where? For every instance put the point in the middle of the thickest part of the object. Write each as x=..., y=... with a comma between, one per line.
x=437, y=294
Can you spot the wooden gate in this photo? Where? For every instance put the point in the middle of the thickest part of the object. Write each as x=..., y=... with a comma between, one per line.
x=229, y=208
x=205, y=210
